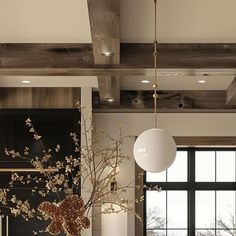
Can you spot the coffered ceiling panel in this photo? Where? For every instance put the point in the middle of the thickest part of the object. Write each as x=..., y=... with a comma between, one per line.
x=181, y=21
x=48, y=81
x=177, y=82
x=44, y=21
x=51, y=21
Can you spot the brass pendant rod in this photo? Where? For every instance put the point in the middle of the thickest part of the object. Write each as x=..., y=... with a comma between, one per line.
x=155, y=95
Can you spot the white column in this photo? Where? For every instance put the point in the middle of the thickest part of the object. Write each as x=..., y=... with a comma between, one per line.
x=115, y=224
x=86, y=101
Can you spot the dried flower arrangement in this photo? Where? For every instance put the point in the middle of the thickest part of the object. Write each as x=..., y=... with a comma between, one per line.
x=92, y=168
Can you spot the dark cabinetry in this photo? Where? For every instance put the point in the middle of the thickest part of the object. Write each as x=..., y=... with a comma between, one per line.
x=55, y=127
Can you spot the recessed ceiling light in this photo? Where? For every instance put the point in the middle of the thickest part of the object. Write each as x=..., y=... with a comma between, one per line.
x=201, y=81
x=110, y=100
x=26, y=81
x=145, y=81
x=108, y=54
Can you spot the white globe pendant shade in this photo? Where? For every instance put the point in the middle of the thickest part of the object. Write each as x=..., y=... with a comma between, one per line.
x=154, y=150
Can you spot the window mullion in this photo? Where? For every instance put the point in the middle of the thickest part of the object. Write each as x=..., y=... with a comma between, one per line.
x=191, y=192
x=191, y=186
x=166, y=213
x=215, y=194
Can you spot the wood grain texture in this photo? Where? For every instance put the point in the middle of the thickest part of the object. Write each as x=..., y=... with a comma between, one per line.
x=169, y=101
x=180, y=55
x=205, y=141
x=104, y=18
x=135, y=59
x=231, y=93
x=109, y=88
x=105, y=29
x=28, y=55
x=16, y=98
x=39, y=98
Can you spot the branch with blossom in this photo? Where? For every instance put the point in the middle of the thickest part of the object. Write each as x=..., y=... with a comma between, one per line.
x=91, y=168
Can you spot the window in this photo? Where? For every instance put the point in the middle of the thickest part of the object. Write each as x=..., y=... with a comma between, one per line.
x=198, y=195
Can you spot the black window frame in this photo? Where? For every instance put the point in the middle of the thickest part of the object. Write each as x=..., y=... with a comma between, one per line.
x=190, y=186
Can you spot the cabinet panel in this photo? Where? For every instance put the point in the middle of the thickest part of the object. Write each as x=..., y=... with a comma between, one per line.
x=55, y=127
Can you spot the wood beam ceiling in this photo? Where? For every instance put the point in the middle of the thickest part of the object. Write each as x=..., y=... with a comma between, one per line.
x=135, y=59
x=104, y=18
x=231, y=93
x=185, y=101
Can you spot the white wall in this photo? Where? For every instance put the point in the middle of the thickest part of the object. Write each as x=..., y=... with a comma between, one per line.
x=201, y=124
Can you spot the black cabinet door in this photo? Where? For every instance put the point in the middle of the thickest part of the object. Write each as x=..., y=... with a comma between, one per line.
x=55, y=127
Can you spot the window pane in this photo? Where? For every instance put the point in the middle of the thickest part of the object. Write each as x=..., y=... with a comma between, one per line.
x=178, y=171
x=205, y=233
x=156, y=232
x=210, y=166
x=156, y=210
x=225, y=166
x=177, y=209
x=205, y=166
x=177, y=233
x=156, y=177
x=225, y=232
x=225, y=209
x=205, y=209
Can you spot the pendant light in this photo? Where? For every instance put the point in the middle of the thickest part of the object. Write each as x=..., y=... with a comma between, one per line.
x=155, y=149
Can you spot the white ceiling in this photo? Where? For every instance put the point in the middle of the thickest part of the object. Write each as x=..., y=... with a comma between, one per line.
x=44, y=21
x=50, y=21
x=177, y=83
x=127, y=83
x=180, y=21
x=49, y=81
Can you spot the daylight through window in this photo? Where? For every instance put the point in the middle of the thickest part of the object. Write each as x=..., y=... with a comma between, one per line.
x=198, y=195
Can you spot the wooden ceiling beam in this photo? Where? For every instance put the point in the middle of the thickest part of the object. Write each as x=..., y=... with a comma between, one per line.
x=104, y=18
x=114, y=70
x=231, y=93
x=174, y=101
x=135, y=59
